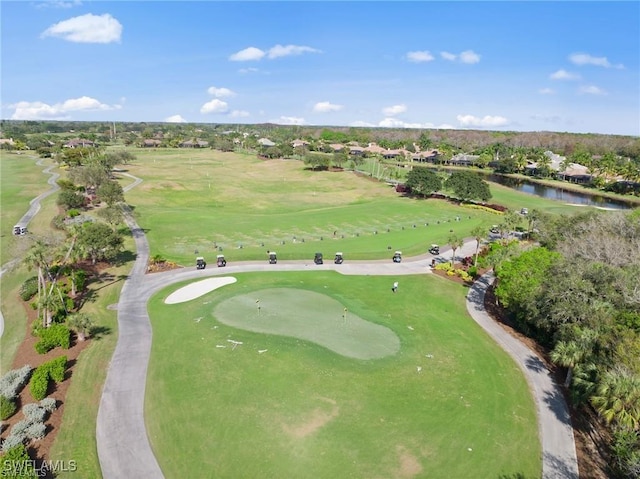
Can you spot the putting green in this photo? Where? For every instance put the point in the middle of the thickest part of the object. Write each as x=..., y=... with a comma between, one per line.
x=310, y=316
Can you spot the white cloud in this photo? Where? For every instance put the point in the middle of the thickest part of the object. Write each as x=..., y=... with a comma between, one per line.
x=448, y=56
x=586, y=59
x=546, y=91
x=325, y=106
x=277, y=51
x=468, y=56
x=239, y=114
x=564, y=75
x=37, y=110
x=420, y=56
x=395, y=123
x=394, y=110
x=87, y=28
x=59, y=4
x=248, y=54
x=591, y=90
x=485, y=121
x=175, y=119
x=248, y=70
x=214, y=106
x=288, y=120
x=289, y=50
x=220, y=92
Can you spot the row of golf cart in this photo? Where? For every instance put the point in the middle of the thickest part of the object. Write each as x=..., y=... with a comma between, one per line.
x=202, y=264
x=338, y=258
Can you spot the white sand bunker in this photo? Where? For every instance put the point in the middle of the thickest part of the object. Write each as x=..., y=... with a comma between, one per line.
x=197, y=289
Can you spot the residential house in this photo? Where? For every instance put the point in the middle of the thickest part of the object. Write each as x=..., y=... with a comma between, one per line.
x=79, y=143
x=299, y=144
x=151, y=143
x=463, y=159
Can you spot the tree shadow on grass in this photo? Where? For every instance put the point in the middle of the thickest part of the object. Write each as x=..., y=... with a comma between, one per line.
x=98, y=332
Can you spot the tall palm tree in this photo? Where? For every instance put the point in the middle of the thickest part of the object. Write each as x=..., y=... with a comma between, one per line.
x=455, y=244
x=618, y=398
x=478, y=234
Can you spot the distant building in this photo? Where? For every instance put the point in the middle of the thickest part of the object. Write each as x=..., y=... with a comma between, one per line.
x=266, y=142
x=79, y=143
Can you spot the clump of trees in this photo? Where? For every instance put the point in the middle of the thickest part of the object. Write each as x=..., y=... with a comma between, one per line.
x=588, y=316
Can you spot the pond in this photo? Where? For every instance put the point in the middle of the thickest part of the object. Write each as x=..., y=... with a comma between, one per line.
x=559, y=194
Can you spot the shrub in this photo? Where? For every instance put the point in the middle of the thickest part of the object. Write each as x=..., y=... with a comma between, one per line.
x=53, y=336
x=39, y=383
x=48, y=404
x=20, y=427
x=34, y=412
x=36, y=430
x=444, y=267
x=7, y=408
x=16, y=461
x=29, y=288
x=72, y=213
x=53, y=369
x=473, y=271
x=10, y=443
x=13, y=381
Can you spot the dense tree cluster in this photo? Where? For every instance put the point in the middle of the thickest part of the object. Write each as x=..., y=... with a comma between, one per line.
x=588, y=315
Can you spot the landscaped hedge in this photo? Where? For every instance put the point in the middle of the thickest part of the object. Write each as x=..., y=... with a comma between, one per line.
x=16, y=461
x=53, y=336
x=13, y=381
x=29, y=288
x=53, y=369
x=7, y=408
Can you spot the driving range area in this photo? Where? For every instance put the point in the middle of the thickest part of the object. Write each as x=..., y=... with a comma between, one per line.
x=317, y=374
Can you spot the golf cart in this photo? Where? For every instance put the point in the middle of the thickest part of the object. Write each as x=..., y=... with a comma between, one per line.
x=397, y=257
x=495, y=229
x=19, y=230
x=318, y=258
x=200, y=263
x=338, y=259
x=220, y=261
x=524, y=211
x=435, y=249
x=273, y=259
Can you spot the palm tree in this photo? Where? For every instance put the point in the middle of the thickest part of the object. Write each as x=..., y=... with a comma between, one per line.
x=618, y=398
x=567, y=354
x=81, y=323
x=478, y=234
x=455, y=243
x=39, y=257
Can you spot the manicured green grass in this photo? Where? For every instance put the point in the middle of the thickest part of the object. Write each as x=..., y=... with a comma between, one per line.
x=197, y=201
x=299, y=409
x=21, y=180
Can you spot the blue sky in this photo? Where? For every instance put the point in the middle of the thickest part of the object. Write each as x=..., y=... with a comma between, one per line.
x=523, y=66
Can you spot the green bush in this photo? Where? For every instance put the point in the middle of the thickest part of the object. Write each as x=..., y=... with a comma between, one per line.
x=7, y=408
x=39, y=383
x=72, y=213
x=53, y=369
x=473, y=271
x=29, y=288
x=53, y=336
x=15, y=460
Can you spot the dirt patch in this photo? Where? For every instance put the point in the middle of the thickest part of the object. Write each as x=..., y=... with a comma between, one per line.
x=409, y=464
x=590, y=435
x=317, y=419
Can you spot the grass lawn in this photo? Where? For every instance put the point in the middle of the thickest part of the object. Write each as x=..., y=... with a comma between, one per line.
x=202, y=200
x=300, y=409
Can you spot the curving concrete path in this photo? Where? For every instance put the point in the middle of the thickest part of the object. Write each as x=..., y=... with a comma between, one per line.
x=123, y=445
x=34, y=207
x=559, y=460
